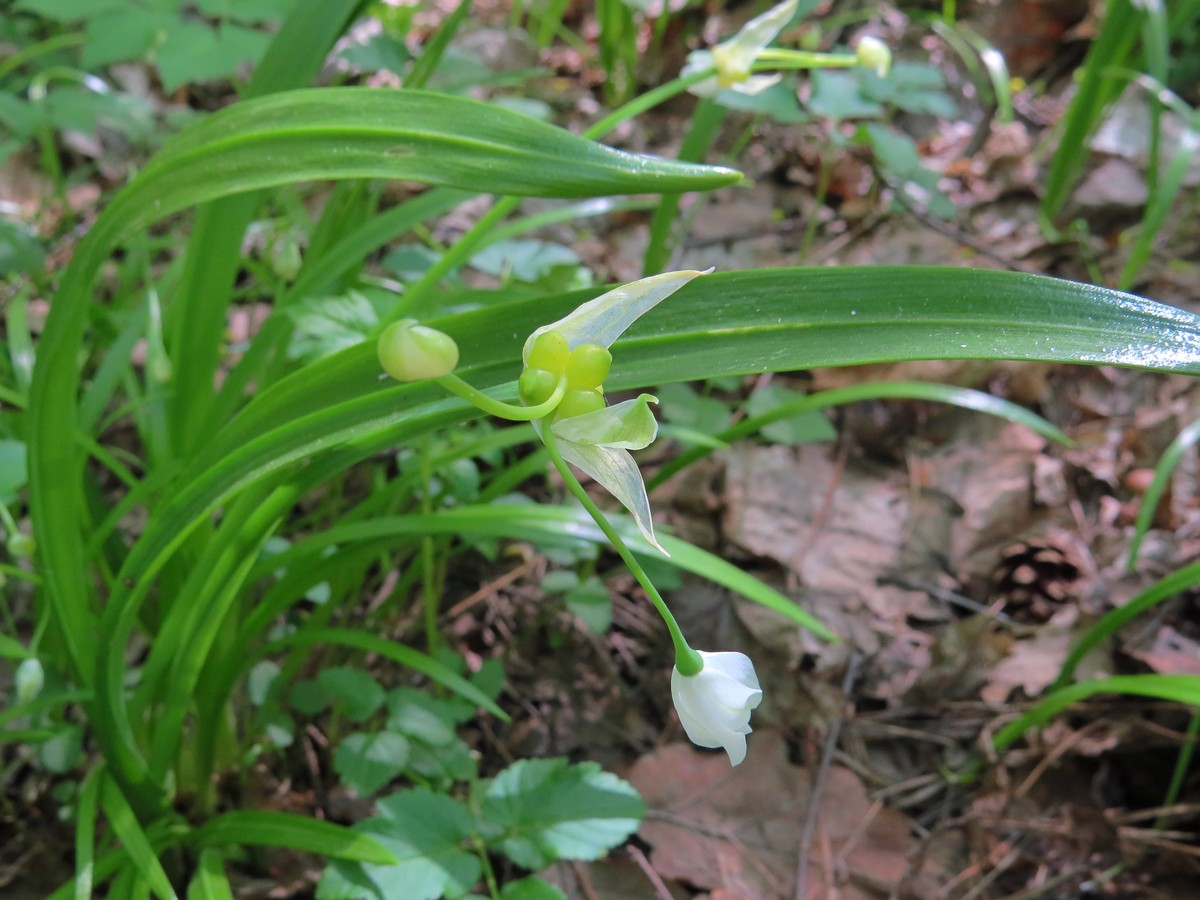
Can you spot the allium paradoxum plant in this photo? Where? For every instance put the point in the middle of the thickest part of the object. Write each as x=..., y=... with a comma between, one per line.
x=562, y=392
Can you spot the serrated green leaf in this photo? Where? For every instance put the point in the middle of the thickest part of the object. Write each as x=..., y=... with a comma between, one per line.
x=799, y=429
x=123, y=34
x=425, y=832
x=368, y=761
x=525, y=260
x=549, y=809
x=353, y=691
x=421, y=717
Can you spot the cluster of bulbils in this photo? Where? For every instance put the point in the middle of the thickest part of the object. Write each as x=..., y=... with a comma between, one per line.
x=562, y=389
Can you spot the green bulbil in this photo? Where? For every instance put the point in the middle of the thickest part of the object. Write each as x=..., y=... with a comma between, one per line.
x=549, y=352
x=536, y=386
x=578, y=402
x=588, y=366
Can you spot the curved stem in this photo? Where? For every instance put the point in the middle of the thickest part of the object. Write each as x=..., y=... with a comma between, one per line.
x=499, y=408
x=687, y=660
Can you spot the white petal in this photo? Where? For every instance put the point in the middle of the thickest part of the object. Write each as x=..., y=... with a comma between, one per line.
x=603, y=320
x=737, y=666
x=617, y=473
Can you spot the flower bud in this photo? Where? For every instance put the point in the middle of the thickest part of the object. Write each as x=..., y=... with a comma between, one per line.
x=874, y=54
x=412, y=352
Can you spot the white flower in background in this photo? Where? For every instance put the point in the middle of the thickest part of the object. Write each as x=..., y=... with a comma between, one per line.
x=714, y=704
x=590, y=435
x=734, y=58
x=873, y=53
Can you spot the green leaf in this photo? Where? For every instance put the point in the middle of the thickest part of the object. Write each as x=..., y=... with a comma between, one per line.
x=801, y=428
x=421, y=717
x=682, y=406
x=68, y=10
x=382, y=51
x=366, y=762
x=123, y=34
x=839, y=95
x=263, y=681
x=525, y=260
x=531, y=888
x=20, y=249
x=592, y=603
x=353, y=691
x=210, y=881
x=405, y=135
x=424, y=831
x=127, y=828
x=266, y=828
x=14, y=470
x=549, y=809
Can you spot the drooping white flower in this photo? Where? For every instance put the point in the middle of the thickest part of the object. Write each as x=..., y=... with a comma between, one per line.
x=734, y=58
x=714, y=705
x=598, y=441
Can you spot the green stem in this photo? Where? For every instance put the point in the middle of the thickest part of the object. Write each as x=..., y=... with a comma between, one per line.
x=687, y=660
x=799, y=59
x=499, y=408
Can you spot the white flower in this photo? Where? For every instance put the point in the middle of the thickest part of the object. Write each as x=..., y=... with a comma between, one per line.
x=714, y=704
x=735, y=57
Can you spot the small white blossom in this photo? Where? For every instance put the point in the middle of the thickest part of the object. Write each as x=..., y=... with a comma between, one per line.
x=714, y=704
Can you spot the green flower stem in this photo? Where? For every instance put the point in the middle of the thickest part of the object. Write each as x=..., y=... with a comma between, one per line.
x=647, y=101
x=687, y=660
x=416, y=292
x=776, y=58
x=499, y=408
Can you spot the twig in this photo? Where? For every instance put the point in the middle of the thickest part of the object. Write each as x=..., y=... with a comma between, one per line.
x=655, y=879
x=489, y=589
x=814, y=808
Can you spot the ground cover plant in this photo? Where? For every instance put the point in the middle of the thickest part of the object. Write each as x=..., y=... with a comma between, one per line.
x=294, y=373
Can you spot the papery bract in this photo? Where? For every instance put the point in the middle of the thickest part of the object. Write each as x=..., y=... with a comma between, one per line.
x=714, y=705
x=603, y=320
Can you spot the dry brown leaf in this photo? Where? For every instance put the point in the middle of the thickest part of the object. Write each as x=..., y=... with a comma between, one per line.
x=737, y=832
